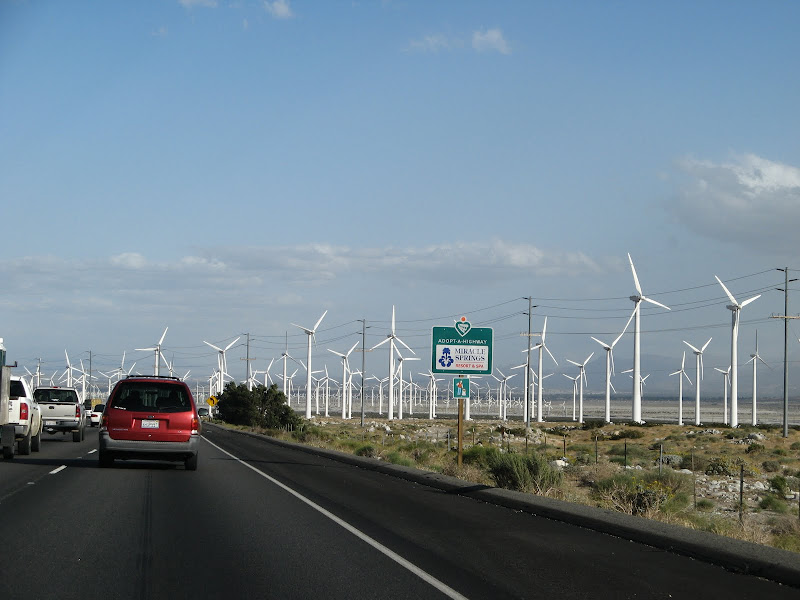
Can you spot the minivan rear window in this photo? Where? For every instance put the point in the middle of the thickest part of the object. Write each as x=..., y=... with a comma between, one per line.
x=44, y=395
x=151, y=397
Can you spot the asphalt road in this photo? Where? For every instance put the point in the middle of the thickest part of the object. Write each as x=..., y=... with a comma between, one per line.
x=258, y=520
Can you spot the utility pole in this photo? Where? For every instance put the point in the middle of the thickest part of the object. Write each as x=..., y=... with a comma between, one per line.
x=527, y=397
x=363, y=363
x=785, y=316
x=248, y=359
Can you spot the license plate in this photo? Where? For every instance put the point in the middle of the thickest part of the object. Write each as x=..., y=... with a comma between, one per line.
x=49, y=422
x=149, y=423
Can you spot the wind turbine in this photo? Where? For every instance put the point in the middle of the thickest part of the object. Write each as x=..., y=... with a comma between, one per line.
x=681, y=373
x=735, y=307
x=541, y=346
x=637, y=369
x=582, y=380
x=345, y=366
x=726, y=373
x=609, y=348
x=755, y=358
x=503, y=390
x=400, y=360
x=698, y=376
x=222, y=363
x=391, y=339
x=157, y=349
x=574, y=381
x=311, y=337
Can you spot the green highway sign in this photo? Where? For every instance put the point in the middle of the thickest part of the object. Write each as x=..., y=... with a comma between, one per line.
x=461, y=388
x=462, y=349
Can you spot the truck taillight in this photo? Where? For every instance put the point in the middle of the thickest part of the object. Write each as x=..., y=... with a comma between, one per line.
x=23, y=411
x=78, y=412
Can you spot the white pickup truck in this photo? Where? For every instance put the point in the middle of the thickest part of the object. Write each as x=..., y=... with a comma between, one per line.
x=25, y=416
x=61, y=411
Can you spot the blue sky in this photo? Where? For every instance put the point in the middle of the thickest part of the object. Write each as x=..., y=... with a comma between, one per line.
x=228, y=167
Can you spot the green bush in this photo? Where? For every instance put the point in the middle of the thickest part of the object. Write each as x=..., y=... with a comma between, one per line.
x=774, y=504
x=398, y=459
x=367, y=450
x=771, y=466
x=795, y=446
x=779, y=452
x=754, y=448
x=779, y=485
x=592, y=424
x=631, y=434
x=479, y=455
x=705, y=504
x=643, y=492
x=523, y=472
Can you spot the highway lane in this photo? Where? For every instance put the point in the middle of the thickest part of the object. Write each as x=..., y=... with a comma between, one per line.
x=152, y=530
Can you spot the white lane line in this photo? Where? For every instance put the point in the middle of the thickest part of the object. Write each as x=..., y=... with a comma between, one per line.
x=427, y=577
x=92, y=451
x=61, y=468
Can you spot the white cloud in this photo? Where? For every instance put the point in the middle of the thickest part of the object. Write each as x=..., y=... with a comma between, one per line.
x=160, y=32
x=129, y=260
x=491, y=40
x=279, y=9
x=432, y=43
x=193, y=3
x=750, y=200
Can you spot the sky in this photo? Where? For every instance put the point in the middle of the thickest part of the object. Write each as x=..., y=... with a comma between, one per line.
x=224, y=168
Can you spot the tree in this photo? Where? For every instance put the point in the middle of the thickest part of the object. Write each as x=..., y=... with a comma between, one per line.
x=237, y=405
x=261, y=407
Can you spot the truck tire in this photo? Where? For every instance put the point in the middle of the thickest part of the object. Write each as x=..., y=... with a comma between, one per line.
x=24, y=445
x=8, y=452
x=36, y=441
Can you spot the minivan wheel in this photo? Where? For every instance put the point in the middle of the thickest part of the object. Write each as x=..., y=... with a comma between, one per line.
x=105, y=459
x=190, y=464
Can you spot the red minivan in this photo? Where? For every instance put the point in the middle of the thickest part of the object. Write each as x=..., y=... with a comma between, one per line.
x=152, y=418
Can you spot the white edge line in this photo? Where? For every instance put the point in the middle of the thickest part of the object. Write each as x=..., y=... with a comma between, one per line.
x=61, y=468
x=427, y=577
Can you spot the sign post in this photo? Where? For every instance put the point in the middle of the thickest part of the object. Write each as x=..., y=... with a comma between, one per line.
x=460, y=430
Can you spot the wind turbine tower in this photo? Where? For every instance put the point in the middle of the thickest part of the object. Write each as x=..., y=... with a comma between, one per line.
x=735, y=307
x=310, y=334
x=637, y=299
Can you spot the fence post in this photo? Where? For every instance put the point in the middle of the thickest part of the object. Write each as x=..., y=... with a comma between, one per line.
x=565, y=446
x=694, y=482
x=595, y=450
x=625, y=460
x=660, y=458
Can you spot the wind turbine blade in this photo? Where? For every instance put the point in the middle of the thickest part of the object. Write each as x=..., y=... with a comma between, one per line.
x=733, y=300
x=380, y=343
x=689, y=379
x=163, y=335
x=544, y=329
x=574, y=363
x=706, y=344
x=624, y=329
x=702, y=368
x=206, y=343
x=588, y=358
x=228, y=347
x=319, y=321
x=404, y=344
x=683, y=360
x=392, y=319
x=693, y=348
x=746, y=302
x=603, y=344
x=635, y=278
x=351, y=349
x=145, y=349
x=337, y=353
x=308, y=331
x=651, y=301
x=550, y=353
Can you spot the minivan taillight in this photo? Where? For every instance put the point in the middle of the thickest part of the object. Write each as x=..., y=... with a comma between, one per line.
x=195, y=424
x=23, y=411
